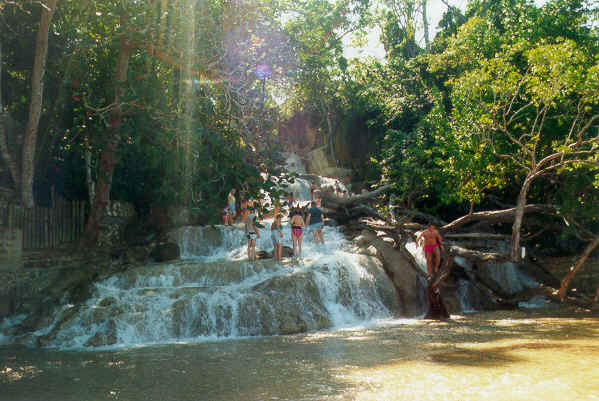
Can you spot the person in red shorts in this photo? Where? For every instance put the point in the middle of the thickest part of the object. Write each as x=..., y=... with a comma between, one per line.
x=433, y=243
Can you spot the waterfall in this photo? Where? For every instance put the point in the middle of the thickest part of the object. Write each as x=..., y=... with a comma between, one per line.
x=214, y=292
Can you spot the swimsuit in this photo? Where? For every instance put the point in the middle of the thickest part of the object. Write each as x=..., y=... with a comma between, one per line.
x=251, y=235
x=430, y=248
x=296, y=231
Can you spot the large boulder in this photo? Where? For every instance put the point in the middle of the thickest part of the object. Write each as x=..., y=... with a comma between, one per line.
x=406, y=279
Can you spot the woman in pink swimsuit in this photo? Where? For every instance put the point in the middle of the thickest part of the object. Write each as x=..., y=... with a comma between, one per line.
x=297, y=226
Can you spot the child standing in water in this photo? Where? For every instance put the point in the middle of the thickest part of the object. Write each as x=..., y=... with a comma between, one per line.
x=297, y=227
x=276, y=239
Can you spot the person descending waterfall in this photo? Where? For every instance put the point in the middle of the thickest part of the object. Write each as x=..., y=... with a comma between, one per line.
x=297, y=227
x=252, y=233
x=315, y=222
x=276, y=239
x=432, y=241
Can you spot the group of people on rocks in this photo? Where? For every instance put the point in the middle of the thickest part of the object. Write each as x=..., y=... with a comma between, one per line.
x=301, y=219
x=310, y=219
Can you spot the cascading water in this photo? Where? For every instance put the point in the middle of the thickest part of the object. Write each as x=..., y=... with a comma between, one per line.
x=215, y=292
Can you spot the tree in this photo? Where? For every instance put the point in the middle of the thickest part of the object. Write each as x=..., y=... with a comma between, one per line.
x=108, y=158
x=536, y=108
x=35, y=106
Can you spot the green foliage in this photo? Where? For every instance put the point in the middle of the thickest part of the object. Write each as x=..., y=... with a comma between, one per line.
x=504, y=85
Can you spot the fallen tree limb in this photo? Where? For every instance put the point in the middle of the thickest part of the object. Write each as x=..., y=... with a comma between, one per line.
x=506, y=215
x=415, y=213
x=333, y=202
x=477, y=236
x=477, y=256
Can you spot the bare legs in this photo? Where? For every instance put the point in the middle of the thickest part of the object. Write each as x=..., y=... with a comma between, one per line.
x=251, y=249
x=297, y=243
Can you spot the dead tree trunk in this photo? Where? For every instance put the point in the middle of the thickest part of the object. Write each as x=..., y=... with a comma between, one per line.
x=574, y=269
x=506, y=215
x=333, y=202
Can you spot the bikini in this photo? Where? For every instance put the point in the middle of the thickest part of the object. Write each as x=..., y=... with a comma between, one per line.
x=296, y=230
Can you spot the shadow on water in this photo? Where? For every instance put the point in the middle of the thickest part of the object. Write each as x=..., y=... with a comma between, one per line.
x=319, y=365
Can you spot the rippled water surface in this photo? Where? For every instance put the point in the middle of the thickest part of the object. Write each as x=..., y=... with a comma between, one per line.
x=491, y=356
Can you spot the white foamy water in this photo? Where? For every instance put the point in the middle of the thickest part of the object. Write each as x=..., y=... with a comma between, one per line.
x=418, y=254
x=216, y=293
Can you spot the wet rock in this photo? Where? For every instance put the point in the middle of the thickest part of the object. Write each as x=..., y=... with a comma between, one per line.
x=165, y=252
x=505, y=279
x=137, y=255
x=287, y=252
x=103, y=337
x=407, y=281
x=178, y=313
x=65, y=320
x=106, y=302
x=263, y=255
x=295, y=302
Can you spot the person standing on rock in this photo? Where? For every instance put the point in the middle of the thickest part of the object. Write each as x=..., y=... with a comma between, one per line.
x=297, y=231
x=252, y=233
x=433, y=243
x=314, y=221
x=276, y=240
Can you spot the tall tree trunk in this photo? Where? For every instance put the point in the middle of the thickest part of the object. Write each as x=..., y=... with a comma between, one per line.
x=330, y=130
x=108, y=159
x=35, y=107
x=425, y=24
x=520, y=206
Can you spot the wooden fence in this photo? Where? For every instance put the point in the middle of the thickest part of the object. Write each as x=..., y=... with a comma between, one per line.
x=43, y=227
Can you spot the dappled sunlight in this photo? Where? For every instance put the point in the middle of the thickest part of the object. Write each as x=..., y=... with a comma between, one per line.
x=479, y=361
x=12, y=374
x=504, y=355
